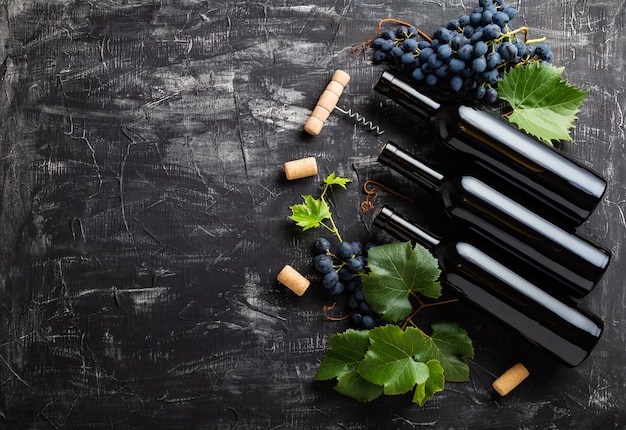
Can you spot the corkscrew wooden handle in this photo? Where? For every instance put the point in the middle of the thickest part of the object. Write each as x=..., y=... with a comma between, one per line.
x=327, y=102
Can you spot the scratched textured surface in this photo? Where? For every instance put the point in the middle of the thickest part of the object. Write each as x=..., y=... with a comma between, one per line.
x=143, y=215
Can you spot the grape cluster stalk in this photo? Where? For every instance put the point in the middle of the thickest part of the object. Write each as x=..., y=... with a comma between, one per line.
x=341, y=273
x=468, y=55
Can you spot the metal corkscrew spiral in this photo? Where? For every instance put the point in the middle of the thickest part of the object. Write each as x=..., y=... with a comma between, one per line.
x=361, y=119
x=328, y=102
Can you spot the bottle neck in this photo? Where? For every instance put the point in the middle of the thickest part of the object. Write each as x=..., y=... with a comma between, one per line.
x=403, y=229
x=407, y=96
x=409, y=166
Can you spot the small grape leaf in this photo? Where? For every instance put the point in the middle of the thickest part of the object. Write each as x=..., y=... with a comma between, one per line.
x=452, y=347
x=345, y=352
x=544, y=105
x=389, y=360
x=433, y=384
x=336, y=180
x=310, y=213
x=396, y=270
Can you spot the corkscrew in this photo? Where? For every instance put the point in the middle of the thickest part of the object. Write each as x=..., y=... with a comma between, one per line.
x=328, y=102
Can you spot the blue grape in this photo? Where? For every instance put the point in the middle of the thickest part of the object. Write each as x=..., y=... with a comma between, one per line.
x=402, y=31
x=368, y=322
x=491, y=95
x=357, y=248
x=407, y=58
x=492, y=31
x=444, y=51
x=330, y=279
x=397, y=53
x=464, y=21
x=521, y=48
x=417, y=74
x=475, y=18
x=493, y=60
x=476, y=37
x=443, y=34
x=480, y=49
x=355, y=265
x=435, y=61
x=345, y=274
x=456, y=83
x=379, y=56
x=508, y=51
x=345, y=250
x=426, y=53
x=431, y=80
x=322, y=244
x=479, y=92
x=356, y=318
x=423, y=44
x=442, y=71
x=465, y=52
x=388, y=34
x=377, y=43
x=387, y=45
x=479, y=65
x=337, y=289
x=409, y=45
x=358, y=293
x=457, y=41
x=468, y=30
x=490, y=76
x=542, y=49
x=456, y=65
x=323, y=263
x=453, y=24
x=510, y=11
x=500, y=19
x=486, y=17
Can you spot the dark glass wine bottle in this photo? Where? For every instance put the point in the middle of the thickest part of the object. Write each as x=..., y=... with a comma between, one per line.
x=493, y=279
x=573, y=263
x=565, y=187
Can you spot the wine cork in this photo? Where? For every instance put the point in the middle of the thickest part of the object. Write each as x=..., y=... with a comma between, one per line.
x=301, y=168
x=510, y=379
x=327, y=102
x=293, y=280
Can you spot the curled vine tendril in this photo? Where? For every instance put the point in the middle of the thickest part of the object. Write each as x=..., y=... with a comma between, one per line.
x=370, y=188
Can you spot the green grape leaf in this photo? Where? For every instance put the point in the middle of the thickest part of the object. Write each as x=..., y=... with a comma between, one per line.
x=310, y=213
x=396, y=270
x=433, y=384
x=452, y=347
x=345, y=352
x=389, y=360
x=336, y=180
x=544, y=105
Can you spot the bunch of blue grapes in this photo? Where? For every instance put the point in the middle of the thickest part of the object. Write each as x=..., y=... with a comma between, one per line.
x=341, y=271
x=468, y=55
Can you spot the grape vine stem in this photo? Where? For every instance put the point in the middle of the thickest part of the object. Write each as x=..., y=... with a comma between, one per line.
x=422, y=305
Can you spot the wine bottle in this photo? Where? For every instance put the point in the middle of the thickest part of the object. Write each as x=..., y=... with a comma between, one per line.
x=574, y=263
x=566, y=188
x=493, y=279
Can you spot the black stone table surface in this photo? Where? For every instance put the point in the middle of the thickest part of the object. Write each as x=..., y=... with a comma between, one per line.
x=143, y=214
